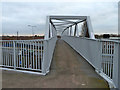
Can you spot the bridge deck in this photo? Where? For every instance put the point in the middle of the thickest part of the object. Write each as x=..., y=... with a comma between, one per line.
x=68, y=70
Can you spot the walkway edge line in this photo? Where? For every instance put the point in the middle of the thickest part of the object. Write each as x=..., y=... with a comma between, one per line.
x=30, y=72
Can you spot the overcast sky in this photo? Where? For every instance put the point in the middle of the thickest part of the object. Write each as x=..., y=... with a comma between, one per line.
x=16, y=16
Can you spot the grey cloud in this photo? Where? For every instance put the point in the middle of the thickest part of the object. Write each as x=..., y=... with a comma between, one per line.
x=16, y=16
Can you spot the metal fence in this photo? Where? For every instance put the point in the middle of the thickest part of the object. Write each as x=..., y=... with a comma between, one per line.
x=48, y=55
x=26, y=55
x=108, y=49
x=101, y=54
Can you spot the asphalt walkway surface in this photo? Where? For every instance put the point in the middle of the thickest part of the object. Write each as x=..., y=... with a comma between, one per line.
x=68, y=70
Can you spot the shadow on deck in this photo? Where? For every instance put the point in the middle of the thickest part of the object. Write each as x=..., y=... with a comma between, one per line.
x=68, y=70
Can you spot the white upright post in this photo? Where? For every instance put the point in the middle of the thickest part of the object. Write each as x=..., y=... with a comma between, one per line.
x=14, y=55
x=45, y=57
x=47, y=28
x=116, y=65
x=90, y=29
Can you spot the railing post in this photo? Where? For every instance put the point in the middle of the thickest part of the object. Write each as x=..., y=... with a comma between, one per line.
x=99, y=56
x=14, y=55
x=45, y=57
x=115, y=65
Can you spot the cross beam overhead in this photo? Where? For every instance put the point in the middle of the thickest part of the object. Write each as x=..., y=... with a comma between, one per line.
x=69, y=25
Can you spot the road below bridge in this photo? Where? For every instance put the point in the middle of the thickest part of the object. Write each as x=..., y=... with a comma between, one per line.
x=68, y=70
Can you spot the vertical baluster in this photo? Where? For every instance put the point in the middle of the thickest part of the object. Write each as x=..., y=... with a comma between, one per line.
x=112, y=60
x=3, y=50
x=109, y=61
x=2, y=54
x=105, y=47
x=11, y=50
x=6, y=54
x=41, y=55
x=14, y=55
x=107, y=56
x=19, y=43
x=28, y=53
x=33, y=54
x=38, y=55
x=6, y=49
x=110, y=56
x=21, y=54
x=102, y=56
x=10, y=53
x=17, y=53
x=105, y=64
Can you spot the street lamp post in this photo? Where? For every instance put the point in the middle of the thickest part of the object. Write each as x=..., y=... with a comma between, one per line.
x=32, y=29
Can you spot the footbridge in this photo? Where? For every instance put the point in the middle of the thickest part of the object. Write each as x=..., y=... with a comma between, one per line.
x=75, y=52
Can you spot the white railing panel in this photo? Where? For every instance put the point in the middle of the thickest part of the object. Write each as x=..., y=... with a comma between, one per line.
x=108, y=48
x=103, y=55
x=22, y=54
x=89, y=49
x=49, y=46
x=33, y=55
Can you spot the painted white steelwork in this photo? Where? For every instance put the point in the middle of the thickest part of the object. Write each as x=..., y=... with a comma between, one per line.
x=101, y=54
x=68, y=24
x=31, y=56
x=22, y=54
x=36, y=55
